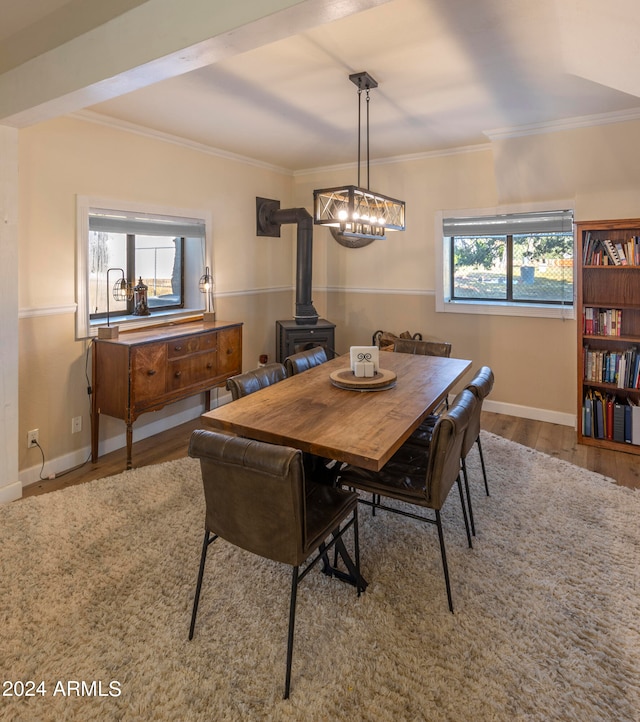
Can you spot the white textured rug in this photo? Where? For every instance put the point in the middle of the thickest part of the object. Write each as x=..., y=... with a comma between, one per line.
x=98, y=581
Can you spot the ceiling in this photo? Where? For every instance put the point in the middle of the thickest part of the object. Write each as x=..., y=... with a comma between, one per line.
x=450, y=73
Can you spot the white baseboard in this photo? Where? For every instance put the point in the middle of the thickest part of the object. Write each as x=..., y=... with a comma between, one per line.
x=10, y=492
x=529, y=412
x=55, y=467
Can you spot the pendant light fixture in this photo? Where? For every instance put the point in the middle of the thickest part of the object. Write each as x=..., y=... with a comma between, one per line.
x=358, y=215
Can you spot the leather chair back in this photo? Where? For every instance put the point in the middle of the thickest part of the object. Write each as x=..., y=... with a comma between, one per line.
x=422, y=348
x=254, y=494
x=298, y=362
x=250, y=381
x=446, y=448
x=480, y=387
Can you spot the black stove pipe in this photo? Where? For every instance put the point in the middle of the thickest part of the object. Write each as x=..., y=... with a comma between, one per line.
x=305, y=311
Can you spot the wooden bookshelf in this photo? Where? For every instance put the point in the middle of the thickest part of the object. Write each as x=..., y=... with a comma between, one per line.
x=608, y=323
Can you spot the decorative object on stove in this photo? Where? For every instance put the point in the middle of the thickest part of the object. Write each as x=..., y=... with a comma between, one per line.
x=141, y=305
x=386, y=339
x=121, y=292
x=356, y=215
x=206, y=286
x=365, y=361
x=269, y=218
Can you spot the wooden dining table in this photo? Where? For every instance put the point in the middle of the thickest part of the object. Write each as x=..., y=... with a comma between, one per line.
x=365, y=428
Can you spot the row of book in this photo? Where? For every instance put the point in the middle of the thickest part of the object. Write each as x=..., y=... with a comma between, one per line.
x=606, y=417
x=621, y=368
x=602, y=321
x=597, y=252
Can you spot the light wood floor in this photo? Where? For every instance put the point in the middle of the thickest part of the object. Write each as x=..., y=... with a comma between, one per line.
x=552, y=439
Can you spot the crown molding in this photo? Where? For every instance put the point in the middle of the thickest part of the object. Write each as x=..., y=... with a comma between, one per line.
x=584, y=121
x=496, y=134
x=110, y=122
x=442, y=153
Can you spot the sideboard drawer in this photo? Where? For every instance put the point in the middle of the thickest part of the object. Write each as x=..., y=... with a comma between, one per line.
x=188, y=345
x=193, y=370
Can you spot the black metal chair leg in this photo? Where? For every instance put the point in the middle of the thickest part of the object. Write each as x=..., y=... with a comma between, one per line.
x=196, y=599
x=292, y=621
x=356, y=550
x=464, y=512
x=375, y=500
x=443, y=554
x=326, y=566
x=468, y=492
x=484, y=471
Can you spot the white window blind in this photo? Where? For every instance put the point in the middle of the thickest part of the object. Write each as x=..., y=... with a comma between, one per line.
x=108, y=221
x=510, y=224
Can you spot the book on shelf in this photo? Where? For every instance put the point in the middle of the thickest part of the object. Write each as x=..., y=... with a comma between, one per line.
x=602, y=321
x=627, y=422
x=599, y=415
x=611, y=418
x=635, y=422
x=608, y=417
x=618, y=421
x=621, y=368
x=605, y=252
x=587, y=409
x=612, y=252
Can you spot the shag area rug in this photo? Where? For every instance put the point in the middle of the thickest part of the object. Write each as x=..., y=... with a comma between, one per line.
x=98, y=582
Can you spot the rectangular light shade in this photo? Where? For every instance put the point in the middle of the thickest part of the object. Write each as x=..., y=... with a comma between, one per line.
x=355, y=209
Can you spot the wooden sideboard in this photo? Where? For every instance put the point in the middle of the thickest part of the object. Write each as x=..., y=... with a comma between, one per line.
x=143, y=371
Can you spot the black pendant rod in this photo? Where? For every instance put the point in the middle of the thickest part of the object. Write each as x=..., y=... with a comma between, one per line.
x=359, y=126
x=363, y=80
x=368, y=186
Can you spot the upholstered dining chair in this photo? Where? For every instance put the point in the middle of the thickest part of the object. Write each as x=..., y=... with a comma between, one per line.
x=258, y=498
x=425, y=348
x=422, y=348
x=481, y=386
x=422, y=476
x=250, y=381
x=299, y=362
x=295, y=364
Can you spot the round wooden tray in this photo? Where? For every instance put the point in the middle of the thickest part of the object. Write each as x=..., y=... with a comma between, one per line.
x=346, y=379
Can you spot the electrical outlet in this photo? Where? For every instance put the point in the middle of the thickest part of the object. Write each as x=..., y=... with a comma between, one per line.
x=32, y=437
x=76, y=424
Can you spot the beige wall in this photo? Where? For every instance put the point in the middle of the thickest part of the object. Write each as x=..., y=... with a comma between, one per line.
x=389, y=284
x=67, y=157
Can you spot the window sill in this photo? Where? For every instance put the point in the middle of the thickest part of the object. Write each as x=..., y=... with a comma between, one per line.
x=157, y=318
x=506, y=309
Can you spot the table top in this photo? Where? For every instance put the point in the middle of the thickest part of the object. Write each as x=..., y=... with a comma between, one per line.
x=364, y=428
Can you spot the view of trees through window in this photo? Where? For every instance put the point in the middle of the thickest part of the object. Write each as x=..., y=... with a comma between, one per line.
x=521, y=268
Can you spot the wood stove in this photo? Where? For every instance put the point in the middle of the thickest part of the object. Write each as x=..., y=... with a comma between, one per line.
x=293, y=337
x=305, y=330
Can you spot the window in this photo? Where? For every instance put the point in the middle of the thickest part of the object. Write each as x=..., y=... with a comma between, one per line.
x=166, y=252
x=516, y=260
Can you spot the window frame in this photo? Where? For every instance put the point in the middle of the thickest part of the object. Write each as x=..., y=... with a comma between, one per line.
x=446, y=304
x=195, y=261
